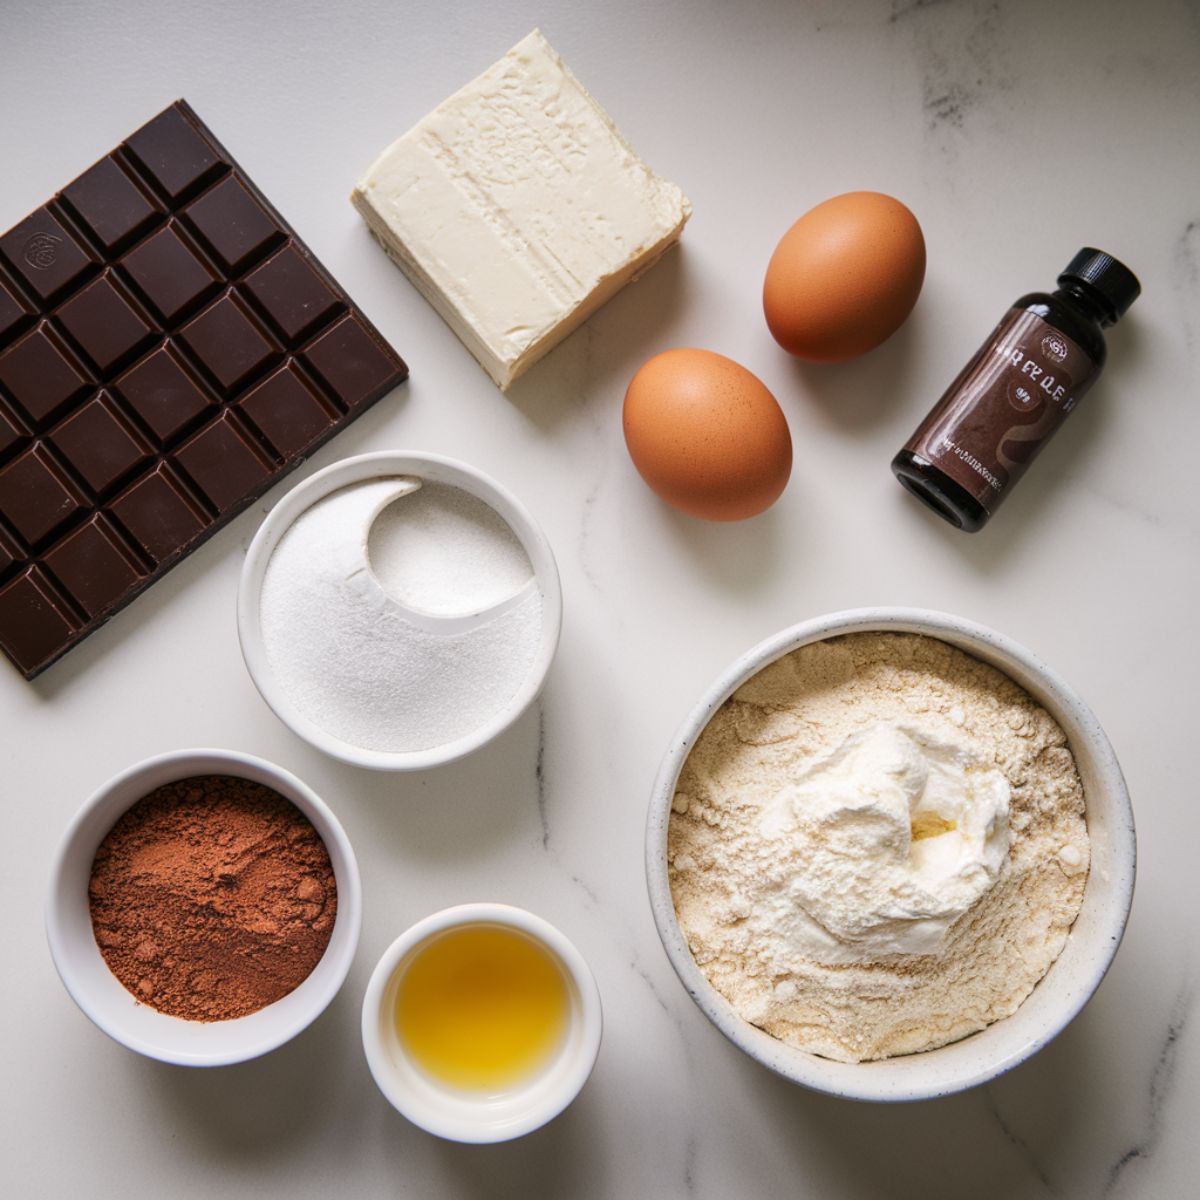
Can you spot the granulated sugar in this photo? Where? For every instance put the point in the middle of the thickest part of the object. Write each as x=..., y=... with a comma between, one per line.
x=340, y=637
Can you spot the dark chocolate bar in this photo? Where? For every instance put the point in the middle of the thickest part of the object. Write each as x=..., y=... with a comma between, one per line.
x=169, y=348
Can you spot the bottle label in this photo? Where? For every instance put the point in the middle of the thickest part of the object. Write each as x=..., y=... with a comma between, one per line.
x=1004, y=405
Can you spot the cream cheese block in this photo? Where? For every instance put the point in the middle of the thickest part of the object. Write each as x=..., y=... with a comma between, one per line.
x=517, y=208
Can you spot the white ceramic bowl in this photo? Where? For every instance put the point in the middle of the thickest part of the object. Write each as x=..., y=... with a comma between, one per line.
x=94, y=987
x=436, y=469
x=459, y=1115
x=1090, y=946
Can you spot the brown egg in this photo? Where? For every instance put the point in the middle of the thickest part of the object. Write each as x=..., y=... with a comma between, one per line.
x=844, y=277
x=706, y=435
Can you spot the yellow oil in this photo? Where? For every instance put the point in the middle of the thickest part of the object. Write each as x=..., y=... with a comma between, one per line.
x=931, y=824
x=482, y=1008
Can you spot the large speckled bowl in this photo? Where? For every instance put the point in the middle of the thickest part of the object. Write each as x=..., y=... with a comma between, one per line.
x=1069, y=983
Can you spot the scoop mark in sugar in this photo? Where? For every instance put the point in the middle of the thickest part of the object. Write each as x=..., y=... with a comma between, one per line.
x=444, y=551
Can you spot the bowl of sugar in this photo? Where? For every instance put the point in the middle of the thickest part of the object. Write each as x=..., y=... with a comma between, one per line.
x=399, y=610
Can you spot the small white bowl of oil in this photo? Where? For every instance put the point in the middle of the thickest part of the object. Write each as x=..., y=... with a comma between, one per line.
x=481, y=1023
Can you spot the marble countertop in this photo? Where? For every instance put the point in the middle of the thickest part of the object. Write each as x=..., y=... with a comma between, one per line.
x=1017, y=132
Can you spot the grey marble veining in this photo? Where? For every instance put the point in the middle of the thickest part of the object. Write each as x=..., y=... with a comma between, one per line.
x=1020, y=1146
x=1187, y=281
x=539, y=775
x=1157, y=1096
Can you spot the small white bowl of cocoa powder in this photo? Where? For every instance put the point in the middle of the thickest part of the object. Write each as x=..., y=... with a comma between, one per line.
x=204, y=907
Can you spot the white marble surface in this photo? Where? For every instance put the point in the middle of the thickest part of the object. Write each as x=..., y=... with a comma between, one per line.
x=1017, y=132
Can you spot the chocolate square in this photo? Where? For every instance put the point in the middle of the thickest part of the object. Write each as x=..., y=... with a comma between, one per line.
x=35, y=498
x=222, y=463
x=228, y=343
x=285, y=411
x=91, y=568
x=164, y=395
x=98, y=446
x=291, y=293
x=232, y=224
x=166, y=270
x=348, y=360
x=45, y=254
x=32, y=623
x=175, y=154
x=158, y=515
x=110, y=204
x=105, y=324
x=37, y=374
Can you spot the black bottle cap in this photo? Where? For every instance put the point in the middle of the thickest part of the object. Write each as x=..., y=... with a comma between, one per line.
x=1114, y=284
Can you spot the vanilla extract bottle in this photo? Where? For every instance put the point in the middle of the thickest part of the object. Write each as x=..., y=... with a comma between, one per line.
x=980, y=437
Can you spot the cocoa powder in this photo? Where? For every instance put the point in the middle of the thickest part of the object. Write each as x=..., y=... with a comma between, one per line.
x=212, y=897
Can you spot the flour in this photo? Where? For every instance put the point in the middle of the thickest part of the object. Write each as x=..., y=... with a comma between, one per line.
x=339, y=633
x=749, y=909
